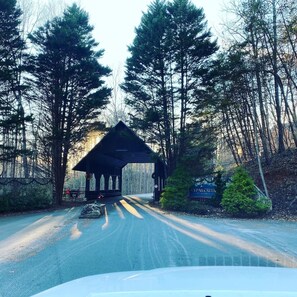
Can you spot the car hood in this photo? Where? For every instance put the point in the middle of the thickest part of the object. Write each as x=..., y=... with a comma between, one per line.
x=184, y=281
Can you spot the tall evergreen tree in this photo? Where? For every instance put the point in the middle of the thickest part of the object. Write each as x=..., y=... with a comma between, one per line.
x=69, y=86
x=10, y=45
x=166, y=73
x=147, y=81
x=192, y=48
x=12, y=115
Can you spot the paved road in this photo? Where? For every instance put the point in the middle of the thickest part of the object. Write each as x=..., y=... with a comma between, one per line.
x=42, y=250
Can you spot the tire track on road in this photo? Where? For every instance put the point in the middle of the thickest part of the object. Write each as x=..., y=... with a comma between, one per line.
x=166, y=249
x=219, y=240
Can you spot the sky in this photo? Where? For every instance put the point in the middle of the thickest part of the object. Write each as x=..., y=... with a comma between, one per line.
x=115, y=21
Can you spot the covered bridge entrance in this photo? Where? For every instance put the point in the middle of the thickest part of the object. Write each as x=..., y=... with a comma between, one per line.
x=106, y=160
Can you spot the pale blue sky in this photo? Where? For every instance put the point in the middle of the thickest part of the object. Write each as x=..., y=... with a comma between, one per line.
x=115, y=21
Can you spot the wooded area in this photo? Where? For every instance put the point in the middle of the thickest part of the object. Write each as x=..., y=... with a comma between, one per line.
x=51, y=97
x=166, y=78
x=190, y=94
x=257, y=84
x=184, y=93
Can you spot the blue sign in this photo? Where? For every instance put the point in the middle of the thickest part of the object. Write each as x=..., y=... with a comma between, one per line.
x=202, y=191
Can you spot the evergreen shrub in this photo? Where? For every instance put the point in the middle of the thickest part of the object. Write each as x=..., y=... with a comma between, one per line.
x=175, y=194
x=19, y=197
x=240, y=198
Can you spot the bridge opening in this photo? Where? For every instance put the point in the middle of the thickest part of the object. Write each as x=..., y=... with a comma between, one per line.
x=122, y=163
x=137, y=178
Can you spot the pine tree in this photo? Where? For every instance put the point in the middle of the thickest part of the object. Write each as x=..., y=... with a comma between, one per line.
x=68, y=83
x=240, y=197
x=12, y=115
x=148, y=77
x=168, y=65
x=192, y=49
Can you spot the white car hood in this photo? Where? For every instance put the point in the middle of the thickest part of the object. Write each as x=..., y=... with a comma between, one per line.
x=184, y=281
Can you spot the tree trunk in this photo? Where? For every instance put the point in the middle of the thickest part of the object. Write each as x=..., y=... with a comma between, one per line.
x=260, y=95
x=257, y=145
x=281, y=146
x=57, y=174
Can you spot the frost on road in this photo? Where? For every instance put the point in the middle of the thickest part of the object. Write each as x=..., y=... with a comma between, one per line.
x=46, y=249
x=31, y=239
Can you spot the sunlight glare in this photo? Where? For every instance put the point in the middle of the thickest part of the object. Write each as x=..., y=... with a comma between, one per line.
x=75, y=232
x=273, y=256
x=131, y=209
x=35, y=234
x=119, y=211
x=105, y=225
x=253, y=248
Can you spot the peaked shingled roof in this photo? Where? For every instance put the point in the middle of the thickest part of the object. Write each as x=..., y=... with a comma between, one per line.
x=116, y=149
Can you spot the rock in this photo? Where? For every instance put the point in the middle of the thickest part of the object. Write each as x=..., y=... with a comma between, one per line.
x=92, y=211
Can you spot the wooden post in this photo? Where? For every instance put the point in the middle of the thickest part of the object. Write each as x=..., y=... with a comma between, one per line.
x=114, y=178
x=98, y=178
x=156, y=185
x=106, y=182
x=121, y=180
x=87, y=190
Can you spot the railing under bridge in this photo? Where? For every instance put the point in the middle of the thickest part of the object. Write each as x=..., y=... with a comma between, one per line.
x=80, y=195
